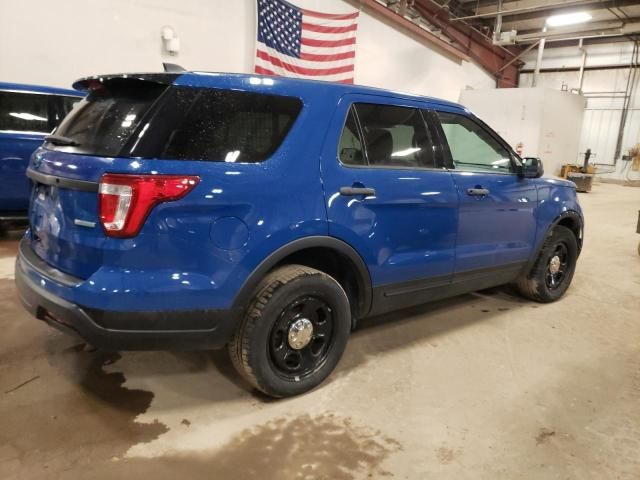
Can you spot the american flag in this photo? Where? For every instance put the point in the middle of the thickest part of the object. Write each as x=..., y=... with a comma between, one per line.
x=295, y=42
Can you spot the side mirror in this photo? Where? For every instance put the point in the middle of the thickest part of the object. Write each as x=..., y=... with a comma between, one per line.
x=531, y=168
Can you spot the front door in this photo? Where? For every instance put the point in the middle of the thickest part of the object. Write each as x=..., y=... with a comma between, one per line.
x=497, y=217
x=388, y=195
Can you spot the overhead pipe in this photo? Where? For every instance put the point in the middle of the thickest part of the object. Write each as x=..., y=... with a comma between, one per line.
x=557, y=7
x=536, y=73
x=582, y=65
x=628, y=29
x=498, y=25
x=631, y=85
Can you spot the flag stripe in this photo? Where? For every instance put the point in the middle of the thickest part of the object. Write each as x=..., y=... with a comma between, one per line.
x=302, y=70
x=310, y=27
x=312, y=42
x=328, y=23
x=327, y=58
x=263, y=71
x=266, y=52
x=327, y=50
x=333, y=16
x=264, y=67
x=327, y=36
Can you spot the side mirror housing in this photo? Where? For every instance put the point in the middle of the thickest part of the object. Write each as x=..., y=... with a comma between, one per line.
x=531, y=168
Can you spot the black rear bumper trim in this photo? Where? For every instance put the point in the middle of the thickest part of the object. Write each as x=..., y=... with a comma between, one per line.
x=113, y=330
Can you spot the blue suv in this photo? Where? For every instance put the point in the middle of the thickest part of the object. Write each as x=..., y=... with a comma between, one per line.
x=27, y=114
x=268, y=215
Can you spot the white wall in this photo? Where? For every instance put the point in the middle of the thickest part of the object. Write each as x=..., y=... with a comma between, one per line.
x=55, y=42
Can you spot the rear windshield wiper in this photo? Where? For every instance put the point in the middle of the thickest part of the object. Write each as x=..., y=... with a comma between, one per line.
x=60, y=140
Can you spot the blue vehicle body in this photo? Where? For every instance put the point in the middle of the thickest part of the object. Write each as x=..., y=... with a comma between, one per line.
x=16, y=146
x=186, y=278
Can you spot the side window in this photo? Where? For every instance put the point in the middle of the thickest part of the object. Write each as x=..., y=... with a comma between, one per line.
x=24, y=112
x=67, y=104
x=472, y=147
x=395, y=136
x=230, y=126
x=350, y=146
x=61, y=105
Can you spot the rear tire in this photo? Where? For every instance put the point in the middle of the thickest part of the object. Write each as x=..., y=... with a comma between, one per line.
x=553, y=270
x=294, y=331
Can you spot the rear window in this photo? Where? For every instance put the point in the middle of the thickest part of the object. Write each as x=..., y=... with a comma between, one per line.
x=185, y=124
x=102, y=123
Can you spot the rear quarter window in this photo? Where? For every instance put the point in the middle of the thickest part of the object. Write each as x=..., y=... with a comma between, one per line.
x=102, y=123
x=224, y=125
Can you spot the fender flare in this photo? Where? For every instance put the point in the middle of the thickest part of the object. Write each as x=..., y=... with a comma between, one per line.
x=574, y=215
x=245, y=294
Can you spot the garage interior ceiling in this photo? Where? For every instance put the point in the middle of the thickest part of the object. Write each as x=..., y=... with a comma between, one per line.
x=496, y=33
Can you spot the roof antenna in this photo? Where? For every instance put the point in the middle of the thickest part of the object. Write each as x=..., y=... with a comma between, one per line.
x=172, y=67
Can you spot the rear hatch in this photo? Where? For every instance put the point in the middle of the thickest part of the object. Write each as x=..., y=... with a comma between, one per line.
x=147, y=128
x=64, y=218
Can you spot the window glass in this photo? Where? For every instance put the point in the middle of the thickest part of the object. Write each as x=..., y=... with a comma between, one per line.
x=350, y=146
x=104, y=120
x=231, y=126
x=60, y=106
x=67, y=104
x=24, y=112
x=395, y=136
x=472, y=147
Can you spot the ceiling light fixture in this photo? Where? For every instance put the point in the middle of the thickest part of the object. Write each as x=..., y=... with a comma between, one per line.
x=568, y=19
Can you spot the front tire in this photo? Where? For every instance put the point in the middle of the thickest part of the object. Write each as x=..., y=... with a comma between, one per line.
x=294, y=331
x=553, y=270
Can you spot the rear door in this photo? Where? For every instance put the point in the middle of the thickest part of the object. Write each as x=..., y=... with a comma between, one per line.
x=388, y=195
x=497, y=223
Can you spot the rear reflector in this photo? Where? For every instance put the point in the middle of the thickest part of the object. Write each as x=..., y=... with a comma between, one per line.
x=126, y=200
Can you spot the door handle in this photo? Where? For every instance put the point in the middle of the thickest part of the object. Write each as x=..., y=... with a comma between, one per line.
x=477, y=192
x=356, y=191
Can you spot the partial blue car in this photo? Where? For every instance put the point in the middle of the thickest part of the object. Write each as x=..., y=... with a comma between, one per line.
x=269, y=215
x=27, y=114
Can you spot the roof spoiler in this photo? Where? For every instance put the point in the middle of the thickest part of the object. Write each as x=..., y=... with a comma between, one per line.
x=97, y=82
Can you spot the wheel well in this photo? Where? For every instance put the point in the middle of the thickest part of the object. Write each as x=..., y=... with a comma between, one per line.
x=338, y=266
x=573, y=224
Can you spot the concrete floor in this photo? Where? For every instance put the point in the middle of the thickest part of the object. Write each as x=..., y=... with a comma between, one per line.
x=481, y=386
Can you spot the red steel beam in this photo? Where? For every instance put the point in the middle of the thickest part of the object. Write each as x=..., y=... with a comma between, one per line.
x=413, y=28
x=478, y=47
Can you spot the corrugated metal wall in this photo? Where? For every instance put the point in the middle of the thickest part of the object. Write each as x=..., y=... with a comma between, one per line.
x=605, y=92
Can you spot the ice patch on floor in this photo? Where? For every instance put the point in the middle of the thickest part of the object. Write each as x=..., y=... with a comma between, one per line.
x=6, y=268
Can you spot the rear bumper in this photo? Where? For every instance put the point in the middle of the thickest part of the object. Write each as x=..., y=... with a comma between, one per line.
x=116, y=330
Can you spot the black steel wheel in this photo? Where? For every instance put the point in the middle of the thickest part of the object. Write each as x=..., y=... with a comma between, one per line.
x=294, y=332
x=557, y=267
x=301, y=336
x=553, y=269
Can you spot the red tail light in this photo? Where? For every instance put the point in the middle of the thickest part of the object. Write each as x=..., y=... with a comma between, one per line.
x=126, y=200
